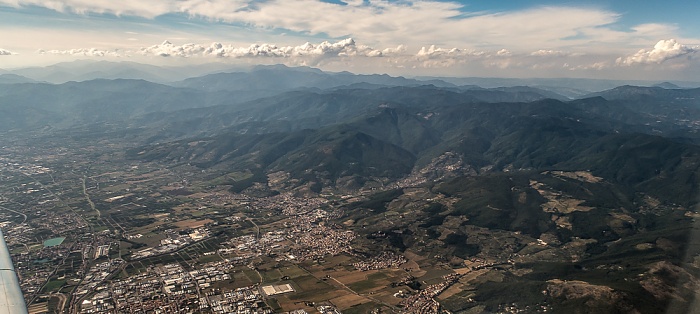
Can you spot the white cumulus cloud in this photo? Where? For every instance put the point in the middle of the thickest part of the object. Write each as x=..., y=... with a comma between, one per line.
x=86, y=52
x=434, y=52
x=663, y=51
x=346, y=47
x=593, y=66
x=4, y=52
x=546, y=53
x=167, y=49
x=435, y=57
x=311, y=54
x=542, y=60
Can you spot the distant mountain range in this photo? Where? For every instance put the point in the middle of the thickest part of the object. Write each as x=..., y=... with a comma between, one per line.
x=84, y=70
x=244, y=96
x=14, y=79
x=218, y=76
x=356, y=130
x=330, y=130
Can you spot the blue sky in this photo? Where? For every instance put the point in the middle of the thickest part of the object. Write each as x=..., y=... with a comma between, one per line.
x=633, y=12
x=684, y=14
x=515, y=38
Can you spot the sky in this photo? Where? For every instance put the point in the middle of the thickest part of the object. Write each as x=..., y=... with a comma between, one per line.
x=616, y=39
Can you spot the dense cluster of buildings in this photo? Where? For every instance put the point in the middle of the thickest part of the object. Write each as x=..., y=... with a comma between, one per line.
x=96, y=275
x=314, y=241
x=424, y=302
x=381, y=261
x=101, y=282
x=172, y=242
x=172, y=289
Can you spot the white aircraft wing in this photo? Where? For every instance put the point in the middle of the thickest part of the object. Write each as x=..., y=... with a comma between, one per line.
x=11, y=298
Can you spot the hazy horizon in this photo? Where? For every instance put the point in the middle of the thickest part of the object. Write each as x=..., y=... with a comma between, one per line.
x=82, y=70
x=520, y=39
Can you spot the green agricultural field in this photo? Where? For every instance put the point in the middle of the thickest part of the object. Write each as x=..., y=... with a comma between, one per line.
x=271, y=275
x=252, y=275
x=292, y=271
x=362, y=286
x=362, y=308
x=209, y=258
x=376, y=281
x=54, y=285
x=241, y=279
x=311, y=289
x=274, y=305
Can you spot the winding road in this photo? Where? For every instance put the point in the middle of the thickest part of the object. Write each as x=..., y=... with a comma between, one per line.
x=16, y=212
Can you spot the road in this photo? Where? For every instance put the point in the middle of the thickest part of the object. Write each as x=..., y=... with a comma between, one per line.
x=60, y=200
x=87, y=197
x=257, y=236
x=16, y=212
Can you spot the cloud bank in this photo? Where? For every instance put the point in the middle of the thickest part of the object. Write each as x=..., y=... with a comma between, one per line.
x=89, y=52
x=388, y=22
x=346, y=47
x=663, y=51
x=347, y=54
x=307, y=53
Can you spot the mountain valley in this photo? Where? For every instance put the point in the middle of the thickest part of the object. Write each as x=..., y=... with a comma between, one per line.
x=363, y=193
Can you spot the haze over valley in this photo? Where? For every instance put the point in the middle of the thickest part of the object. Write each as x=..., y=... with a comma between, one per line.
x=264, y=159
